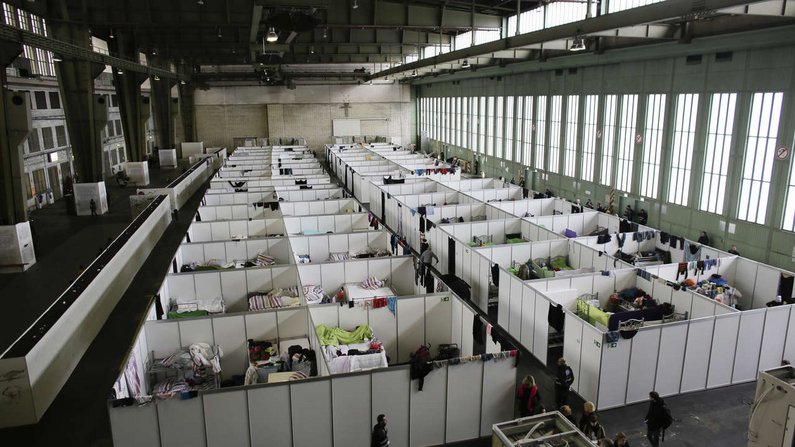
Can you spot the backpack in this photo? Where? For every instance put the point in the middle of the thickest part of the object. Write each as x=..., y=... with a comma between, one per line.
x=420, y=364
x=667, y=418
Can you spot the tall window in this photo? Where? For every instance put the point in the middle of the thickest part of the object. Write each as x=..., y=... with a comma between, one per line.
x=570, y=159
x=608, y=139
x=682, y=148
x=482, y=126
x=474, y=122
x=509, y=120
x=760, y=149
x=541, y=131
x=555, y=118
x=716, y=153
x=626, y=142
x=489, y=125
x=527, y=130
x=652, y=145
x=590, y=114
x=499, y=145
x=459, y=111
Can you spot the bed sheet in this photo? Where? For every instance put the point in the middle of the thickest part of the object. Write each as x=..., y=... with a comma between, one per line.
x=351, y=363
x=354, y=291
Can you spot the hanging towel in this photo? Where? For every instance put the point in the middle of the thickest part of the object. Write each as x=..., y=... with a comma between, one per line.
x=620, y=238
x=664, y=237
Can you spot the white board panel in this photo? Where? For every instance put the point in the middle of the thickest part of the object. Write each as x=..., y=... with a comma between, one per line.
x=390, y=392
x=384, y=326
x=590, y=362
x=162, y=338
x=226, y=419
x=174, y=416
x=352, y=317
x=346, y=127
x=572, y=342
x=499, y=381
x=528, y=318
x=438, y=321
x=195, y=331
x=267, y=406
x=292, y=323
x=749, y=342
x=134, y=426
x=724, y=342
x=410, y=326
x=774, y=337
x=516, y=300
x=789, y=347
x=311, y=398
x=613, y=375
x=643, y=364
x=261, y=326
x=673, y=338
x=699, y=342
x=351, y=406
x=464, y=383
x=234, y=291
x=541, y=329
x=427, y=407
x=230, y=333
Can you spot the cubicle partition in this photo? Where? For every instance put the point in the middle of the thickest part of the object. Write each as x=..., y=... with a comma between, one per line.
x=239, y=251
x=326, y=223
x=239, y=211
x=397, y=273
x=331, y=206
x=234, y=229
x=335, y=247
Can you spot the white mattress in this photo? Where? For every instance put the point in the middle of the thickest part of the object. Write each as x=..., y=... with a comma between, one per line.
x=355, y=291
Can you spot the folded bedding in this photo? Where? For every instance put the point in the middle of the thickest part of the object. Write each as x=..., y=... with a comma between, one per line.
x=277, y=297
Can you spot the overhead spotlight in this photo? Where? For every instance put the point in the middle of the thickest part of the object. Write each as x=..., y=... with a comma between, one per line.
x=111, y=36
x=414, y=73
x=182, y=82
x=272, y=36
x=465, y=64
x=325, y=33
x=219, y=33
x=578, y=44
x=200, y=2
x=355, y=4
x=312, y=49
x=119, y=71
x=157, y=78
x=57, y=58
x=154, y=51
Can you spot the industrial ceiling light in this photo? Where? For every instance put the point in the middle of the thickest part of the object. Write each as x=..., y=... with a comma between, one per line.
x=272, y=36
x=111, y=36
x=154, y=51
x=414, y=73
x=200, y=2
x=312, y=49
x=355, y=4
x=157, y=78
x=182, y=82
x=325, y=33
x=57, y=58
x=578, y=44
x=465, y=64
x=219, y=33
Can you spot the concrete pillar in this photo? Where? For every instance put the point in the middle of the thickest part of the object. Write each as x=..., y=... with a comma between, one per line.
x=86, y=113
x=161, y=106
x=187, y=111
x=134, y=109
x=14, y=115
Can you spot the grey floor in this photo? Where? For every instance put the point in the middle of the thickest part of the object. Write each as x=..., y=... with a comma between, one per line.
x=79, y=416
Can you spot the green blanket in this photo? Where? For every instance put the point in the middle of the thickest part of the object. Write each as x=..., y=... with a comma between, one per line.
x=337, y=336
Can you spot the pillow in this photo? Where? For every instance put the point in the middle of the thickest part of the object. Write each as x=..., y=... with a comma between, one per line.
x=263, y=259
x=372, y=283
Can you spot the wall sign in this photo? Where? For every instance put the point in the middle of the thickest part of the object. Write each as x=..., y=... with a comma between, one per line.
x=782, y=153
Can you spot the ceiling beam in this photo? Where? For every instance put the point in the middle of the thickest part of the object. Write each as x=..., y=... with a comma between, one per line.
x=657, y=12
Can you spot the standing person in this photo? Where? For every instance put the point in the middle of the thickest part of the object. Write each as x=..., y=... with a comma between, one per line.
x=656, y=419
x=628, y=213
x=643, y=216
x=563, y=381
x=734, y=251
x=379, y=437
x=593, y=429
x=427, y=258
x=588, y=408
x=529, y=397
x=93, y=206
x=703, y=239
x=621, y=440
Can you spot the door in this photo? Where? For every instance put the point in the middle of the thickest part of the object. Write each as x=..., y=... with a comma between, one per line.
x=451, y=255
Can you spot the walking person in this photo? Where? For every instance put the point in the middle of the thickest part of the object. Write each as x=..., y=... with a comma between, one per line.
x=93, y=206
x=588, y=408
x=379, y=437
x=658, y=418
x=529, y=397
x=563, y=381
x=427, y=258
x=593, y=429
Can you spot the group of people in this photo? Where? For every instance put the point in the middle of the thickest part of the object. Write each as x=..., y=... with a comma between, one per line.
x=658, y=417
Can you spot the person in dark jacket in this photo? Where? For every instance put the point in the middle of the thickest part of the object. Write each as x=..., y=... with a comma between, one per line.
x=588, y=408
x=621, y=440
x=379, y=437
x=655, y=418
x=563, y=381
x=568, y=414
x=593, y=429
x=529, y=397
x=703, y=239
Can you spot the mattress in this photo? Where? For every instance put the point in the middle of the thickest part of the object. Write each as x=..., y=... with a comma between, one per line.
x=355, y=291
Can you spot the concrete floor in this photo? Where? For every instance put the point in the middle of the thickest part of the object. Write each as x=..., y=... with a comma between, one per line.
x=79, y=416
